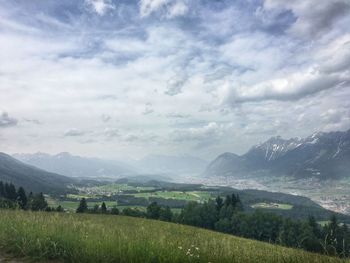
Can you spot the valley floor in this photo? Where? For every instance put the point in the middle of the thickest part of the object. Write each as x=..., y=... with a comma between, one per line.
x=332, y=195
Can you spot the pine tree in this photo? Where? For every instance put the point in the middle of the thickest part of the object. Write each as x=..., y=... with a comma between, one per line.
x=10, y=192
x=82, y=208
x=165, y=214
x=96, y=209
x=219, y=203
x=153, y=210
x=59, y=209
x=103, y=208
x=39, y=203
x=239, y=205
x=22, y=198
x=2, y=189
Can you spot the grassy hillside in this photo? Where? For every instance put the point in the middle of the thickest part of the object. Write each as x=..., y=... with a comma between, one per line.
x=96, y=238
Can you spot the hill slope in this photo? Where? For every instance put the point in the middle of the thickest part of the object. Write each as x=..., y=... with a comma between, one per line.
x=29, y=177
x=321, y=155
x=94, y=238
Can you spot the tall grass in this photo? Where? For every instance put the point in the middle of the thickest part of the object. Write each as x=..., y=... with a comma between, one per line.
x=102, y=238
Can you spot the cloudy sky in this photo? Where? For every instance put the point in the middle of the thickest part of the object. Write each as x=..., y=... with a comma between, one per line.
x=126, y=78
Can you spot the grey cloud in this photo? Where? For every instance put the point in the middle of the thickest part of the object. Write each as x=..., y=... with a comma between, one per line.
x=175, y=84
x=313, y=18
x=34, y=121
x=293, y=91
x=73, y=132
x=111, y=133
x=105, y=118
x=330, y=71
x=7, y=121
x=176, y=115
x=107, y=97
x=148, y=109
x=339, y=61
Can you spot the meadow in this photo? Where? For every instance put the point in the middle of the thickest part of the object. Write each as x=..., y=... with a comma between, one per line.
x=272, y=206
x=180, y=195
x=101, y=238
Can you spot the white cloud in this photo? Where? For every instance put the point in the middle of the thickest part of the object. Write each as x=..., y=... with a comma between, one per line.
x=100, y=6
x=177, y=9
x=211, y=131
x=171, y=8
x=78, y=70
x=327, y=68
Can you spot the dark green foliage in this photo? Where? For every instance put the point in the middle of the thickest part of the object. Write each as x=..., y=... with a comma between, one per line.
x=2, y=190
x=95, y=209
x=114, y=211
x=38, y=202
x=10, y=192
x=59, y=209
x=82, y=208
x=219, y=203
x=22, y=198
x=133, y=212
x=153, y=211
x=165, y=214
x=103, y=208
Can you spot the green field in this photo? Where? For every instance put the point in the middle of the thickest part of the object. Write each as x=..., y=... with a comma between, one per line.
x=102, y=238
x=272, y=206
x=110, y=189
x=188, y=195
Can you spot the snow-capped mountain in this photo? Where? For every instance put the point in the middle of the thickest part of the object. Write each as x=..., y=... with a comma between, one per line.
x=323, y=155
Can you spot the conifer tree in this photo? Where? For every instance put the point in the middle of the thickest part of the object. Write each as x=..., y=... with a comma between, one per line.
x=22, y=198
x=103, y=208
x=2, y=189
x=39, y=203
x=82, y=208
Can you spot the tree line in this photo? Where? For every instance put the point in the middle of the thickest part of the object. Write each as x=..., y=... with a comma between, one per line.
x=10, y=197
x=227, y=215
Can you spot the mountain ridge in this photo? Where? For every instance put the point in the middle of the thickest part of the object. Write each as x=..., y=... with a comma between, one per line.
x=76, y=166
x=322, y=155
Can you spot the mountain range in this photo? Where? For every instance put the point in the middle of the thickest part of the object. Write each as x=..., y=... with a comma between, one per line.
x=76, y=166
x=321, y=155
x=30, y=177
x=84, y=167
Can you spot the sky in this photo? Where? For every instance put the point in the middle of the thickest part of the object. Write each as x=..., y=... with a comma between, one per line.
x=124, y=78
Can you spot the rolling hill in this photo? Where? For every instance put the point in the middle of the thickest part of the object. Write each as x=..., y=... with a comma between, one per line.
x=30, y=177
x=320, y=155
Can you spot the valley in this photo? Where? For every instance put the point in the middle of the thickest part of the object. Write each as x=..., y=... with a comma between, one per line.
x=331, y=194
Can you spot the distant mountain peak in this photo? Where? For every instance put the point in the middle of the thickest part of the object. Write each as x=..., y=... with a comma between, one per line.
x=325, y=155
